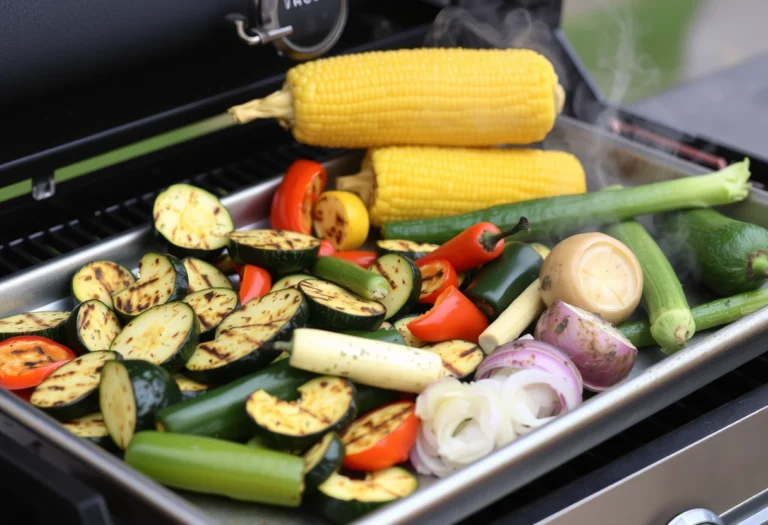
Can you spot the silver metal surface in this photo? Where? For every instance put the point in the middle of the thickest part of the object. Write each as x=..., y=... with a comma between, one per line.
x=259, y=35
x=697, y=517
x=656, y=382
x=285, y=46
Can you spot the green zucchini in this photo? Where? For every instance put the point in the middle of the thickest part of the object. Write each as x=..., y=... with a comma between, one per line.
x=278, y=251
x=211, y=307
x=727, y=255
x=100, y=280
x=220, y=412
x=401, y=325
x=672, y=322
x=92, y=428
x=130, y=393
x=190, y=389
x=165, y=335
x=91, y=326
x=460, y=358
x=410, y=249
x=241, y=344
x=72, y=391
x=365, y=283
x=214, y=466
x=335, y=308
x=709, y=315
x=191, y=222
x=404, y=280
x=322, y=461
x=327, y=404
x=559, y=215
x=368, y=398
x=203, y=275
x=500, y=281
x=162, y=279
x=44, y=324
x=342, y=499
x=290, y=281
x=382, y=334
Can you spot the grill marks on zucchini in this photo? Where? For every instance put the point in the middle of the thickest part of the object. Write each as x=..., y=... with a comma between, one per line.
x=278, y=251
x=460, y=358
x=100, y=280
x=72, y=390
x=191, y=221
x=91, y=326
x=211, y=307
x=404, y=280
x=92, y=428
x=44, y=324
x=401, y=325
x=374, y=426
x=162, y=279
x=190, y=389
x=290, y=281
x=202, y=276
x=327, y=404
x=322, y=461
x=410, y=249
x=335, y=308
x=165, y=335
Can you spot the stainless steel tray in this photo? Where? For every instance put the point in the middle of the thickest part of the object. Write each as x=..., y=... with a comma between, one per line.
x=655, y=382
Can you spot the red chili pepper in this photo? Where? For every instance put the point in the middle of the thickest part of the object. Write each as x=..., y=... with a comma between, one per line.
x=326, y=248
x=453, y=317
x=475, y=246
x=296, y=195
x=26, y=360
x=254, y=283
x=391, y=444
x=360, y=258
x=436, y=277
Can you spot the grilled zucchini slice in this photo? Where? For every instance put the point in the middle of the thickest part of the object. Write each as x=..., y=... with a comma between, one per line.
x=212, y=306
x=460, y=358
x=327, y=404
x=342, y=500
x=410, y=249
x=165, y=335
x=130, y=393
x=91, y=326
x=190, y=389
x=202, y=275
x=290, y=281
x=404, y=280
x=100, y=280
x=401, y=325
x=238, y=349
x=322, y=461
x=334, y=308
x=162, y=279
x=72, y=390
x=191, y=222
x=92, y=428
x=278, y=251
x=44, y=324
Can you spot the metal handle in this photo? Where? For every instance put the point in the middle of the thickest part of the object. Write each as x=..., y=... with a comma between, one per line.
x=697, y=517
x=259, y=36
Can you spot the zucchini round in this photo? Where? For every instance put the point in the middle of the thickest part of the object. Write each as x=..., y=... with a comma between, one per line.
x=327, y=404
x=401, y=325
x=100, y=280
x=91, y=326
x=72, y=391
x=190, y=389
x=278, y=251
x=191, y=222
x=130, y=392
x=44, y=324
x=290, y=281
x=165, y=335
x=404, y=280
x=162, y=279
x=410, y=249
x=460, y=358
x=202, y=275
x=92, y=428
x=211, y=307
x=334, y=308
x=322, y=461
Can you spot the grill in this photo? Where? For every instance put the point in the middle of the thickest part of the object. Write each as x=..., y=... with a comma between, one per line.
x=104, y=205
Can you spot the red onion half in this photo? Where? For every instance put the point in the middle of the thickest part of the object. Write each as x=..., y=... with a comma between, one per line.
x=598, y=349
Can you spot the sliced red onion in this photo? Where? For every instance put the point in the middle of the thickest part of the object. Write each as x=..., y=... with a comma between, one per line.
x=598, y=349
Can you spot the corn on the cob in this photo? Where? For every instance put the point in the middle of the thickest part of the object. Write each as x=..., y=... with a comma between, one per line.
x=432, y=96
x=413, y=182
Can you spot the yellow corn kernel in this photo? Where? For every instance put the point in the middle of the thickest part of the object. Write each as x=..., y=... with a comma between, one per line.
x=431, y=96
x=414, y=182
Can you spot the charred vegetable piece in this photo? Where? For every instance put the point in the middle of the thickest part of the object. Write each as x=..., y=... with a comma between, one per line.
x=130, y=393
x=436, y=277
x=91, y=326
x=211, y=307
x=290, y=281
x=322, y=461
x=25, y=361
x=401, y=325
x=404, y=280
x=410, y=249
x=296, y=195
x=460, y=358
x=72, y=391
x=239, y=347
x=165, y=335
x=278, y=251
x=335, y=308
x=327, y=404
x=364, y=283
x=342, y=499
x=92, y=428
x=341, y=218
x=50, y=325
x=163, y=279
x=191, y=222
x=190, y=389
x=100, y=280
x=202, y=275
x=214, y=466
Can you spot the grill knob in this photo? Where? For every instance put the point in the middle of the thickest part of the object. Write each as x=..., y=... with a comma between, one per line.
x=697, y=517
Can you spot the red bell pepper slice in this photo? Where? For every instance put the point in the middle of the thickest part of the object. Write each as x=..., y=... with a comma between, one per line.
x=296, y=195
x=25, y=393
x=326, y=248
x=254, y=283
x=452, y=317
x=381, y=438
x=436, y=277
x=25, y=361
x=360, y=258
x=475, y=246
